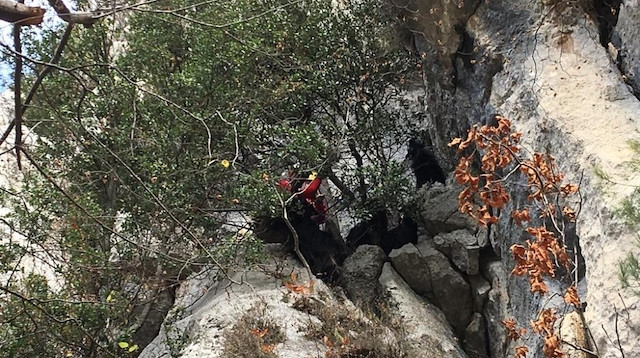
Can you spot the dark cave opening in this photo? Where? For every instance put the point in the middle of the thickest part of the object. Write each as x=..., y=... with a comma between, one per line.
x=606, y=12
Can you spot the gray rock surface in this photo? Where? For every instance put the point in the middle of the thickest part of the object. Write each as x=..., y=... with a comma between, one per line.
x=360, y=272
x=452, y=293
x=427, y=332
x=413, y=268
x=439, y=212
x=548, y=73
x=206, y=308
x=462, y=248
x=480, y=291
x=475, y=344
x=628, y=29
x=496, y=308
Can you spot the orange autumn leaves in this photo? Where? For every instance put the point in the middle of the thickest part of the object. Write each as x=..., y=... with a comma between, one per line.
x=297, y=288
x=499, y=147
x=484, y=196
x=544, y=326
x=260, y=333
x=538, y=257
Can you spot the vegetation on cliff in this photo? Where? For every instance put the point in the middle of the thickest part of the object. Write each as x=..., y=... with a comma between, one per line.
x=164, y=121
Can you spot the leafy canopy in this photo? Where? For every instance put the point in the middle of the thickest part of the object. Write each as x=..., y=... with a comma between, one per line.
x=164, y=123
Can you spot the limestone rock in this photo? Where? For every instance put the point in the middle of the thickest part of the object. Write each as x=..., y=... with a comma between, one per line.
x=462, y=248
x=427, y=333
x=214, y=315
x=207, y=308
x=451, y=292
x=360, y=272
x=560, y=89
x=475, y=344
x=573, y=331
x=496, y=308
x=439, y=209
x=629, y=32
x=413, y=268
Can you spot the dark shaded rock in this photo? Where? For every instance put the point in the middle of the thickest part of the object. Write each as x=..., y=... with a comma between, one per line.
x=360, y=272
x=628, y=32
x=479, y=291
x=322, y=250
x=424, y=164
x=451, y=292
x=413, y=268
x=474, y=343
x=378, y=231
x=151, y=315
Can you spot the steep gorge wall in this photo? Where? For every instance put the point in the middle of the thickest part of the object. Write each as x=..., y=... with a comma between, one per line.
x=544, y=66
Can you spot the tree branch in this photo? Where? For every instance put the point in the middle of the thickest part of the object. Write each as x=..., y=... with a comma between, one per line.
x=17, y=92
x=21, y=14
x=85, y=18
x=48, y=67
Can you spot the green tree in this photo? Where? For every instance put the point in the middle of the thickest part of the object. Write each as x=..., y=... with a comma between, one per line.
x=130, y=186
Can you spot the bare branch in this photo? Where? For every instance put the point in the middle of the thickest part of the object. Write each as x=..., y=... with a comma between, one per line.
x=294, y=233
x=17, y=92
x=20, y=109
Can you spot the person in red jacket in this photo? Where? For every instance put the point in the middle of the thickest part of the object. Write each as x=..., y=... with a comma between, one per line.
x=308, y=193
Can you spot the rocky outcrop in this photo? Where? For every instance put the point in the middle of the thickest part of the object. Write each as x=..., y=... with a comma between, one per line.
x=255, y=311
x=629, y=42
x=360, y=272
x=426, y=329
x=451, y=292
x=413, y=268
x=544, y=67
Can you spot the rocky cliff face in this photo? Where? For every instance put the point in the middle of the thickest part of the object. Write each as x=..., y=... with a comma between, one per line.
x=566, y=73
x=273, y=311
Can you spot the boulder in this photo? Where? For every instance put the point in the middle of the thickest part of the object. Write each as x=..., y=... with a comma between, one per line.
x=496, y=307
x=413, y=268
x=360, y=272
x=475, y=344
x=462, y=248
x=427, y=333
x=451, y=292
x=438, y=205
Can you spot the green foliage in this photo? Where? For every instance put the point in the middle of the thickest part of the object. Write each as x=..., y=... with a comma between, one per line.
x=629, y=210
x=130, y=190
x=39, y=323
x=629, y=273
